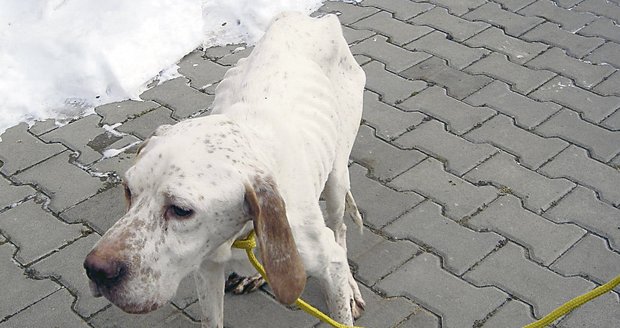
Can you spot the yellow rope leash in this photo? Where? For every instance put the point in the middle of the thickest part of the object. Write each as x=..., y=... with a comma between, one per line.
x=248, y=244
x=575, y=303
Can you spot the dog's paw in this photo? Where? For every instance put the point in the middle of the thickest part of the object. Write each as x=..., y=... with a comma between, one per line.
x=242, y=285
x=357, y=307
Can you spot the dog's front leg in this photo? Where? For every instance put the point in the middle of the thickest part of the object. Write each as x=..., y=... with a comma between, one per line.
x=210, y=285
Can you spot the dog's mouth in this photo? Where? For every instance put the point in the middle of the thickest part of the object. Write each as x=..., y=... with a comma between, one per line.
x=94, y=289
x=122, y=302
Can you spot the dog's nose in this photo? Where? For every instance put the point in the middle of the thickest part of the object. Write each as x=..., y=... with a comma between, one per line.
x=103, y=271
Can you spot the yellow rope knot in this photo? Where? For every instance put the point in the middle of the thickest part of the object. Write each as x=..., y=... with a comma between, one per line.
x=248, y=244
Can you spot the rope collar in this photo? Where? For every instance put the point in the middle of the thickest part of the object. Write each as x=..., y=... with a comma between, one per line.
x=248, y=244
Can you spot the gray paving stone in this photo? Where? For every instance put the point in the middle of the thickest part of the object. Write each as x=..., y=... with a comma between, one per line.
x=401, y=9
x=600, y=312
x=530, y=149
x=177, y=95
x=567, y=3
x=566, y=124
x=521, y=78
x=552, y=34
x=514, y=5
x=582, y=207
x=360, y=243
x=459, y=84
x=384, y=312
x=460, y=304
x=389, y=122
x=354, y=36
x=457, y=28
x=20, y=150
x=117, y=164
x=517, y=50
x=398, y=32
x=41, y=127
x=382, y=259
x=600, y=7
x=362, y=59
x=143, y=126
x=100, y=212
x=119, y=112
x=458, y=154
x=66, y=267
x=17, y=290
x=510, y=270
x=259, y=309
x=236, y=52
x=615, y=162
x=584, y=74
x=392, y=88
x=591, y=258
x=457, y=54
x=218, y=52
x=537, y=191
x=569, y=20
x=52, y=311
x=66, y=186
x=186, y=293
x=201, y=72
x=371, y=152
x=545, y=240
x=562, y=91
x=167, y=316
x=28, y=222
x=575, y=164
x=76, y=135
x=367, y=191
x=459, y=7
x=513, y=24
x=459, y=247
x=457, y=196
x=420, y=318
x=602, y=27
x=611, y=86
x=395, y=58
x=512, y=314
x=127, y=144
x=613, y=121
x=10, y=194
x=347, y=12
x=527, y=113
x=606, y=54
x=459, y=116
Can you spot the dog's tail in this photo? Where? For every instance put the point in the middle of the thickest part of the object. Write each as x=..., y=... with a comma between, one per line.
x=350, y=207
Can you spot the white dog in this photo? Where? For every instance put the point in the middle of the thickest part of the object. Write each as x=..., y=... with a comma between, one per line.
x=283, y=124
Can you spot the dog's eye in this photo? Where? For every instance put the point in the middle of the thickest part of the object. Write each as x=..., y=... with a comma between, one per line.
x=175, y=211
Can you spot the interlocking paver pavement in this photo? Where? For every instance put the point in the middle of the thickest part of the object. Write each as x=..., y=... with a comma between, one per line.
x=486, y=168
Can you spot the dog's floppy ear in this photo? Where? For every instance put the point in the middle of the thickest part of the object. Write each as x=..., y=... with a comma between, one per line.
x=285, y=271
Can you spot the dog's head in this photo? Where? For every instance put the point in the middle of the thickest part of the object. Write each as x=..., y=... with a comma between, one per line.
x=194, y=188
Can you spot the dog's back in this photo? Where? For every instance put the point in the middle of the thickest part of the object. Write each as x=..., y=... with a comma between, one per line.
x=301, y=87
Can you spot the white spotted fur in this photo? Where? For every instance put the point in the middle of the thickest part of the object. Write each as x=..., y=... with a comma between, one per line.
x=290, y=111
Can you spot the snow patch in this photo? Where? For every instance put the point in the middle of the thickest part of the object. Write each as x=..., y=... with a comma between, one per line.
x=109, y=153
x=62, y=58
